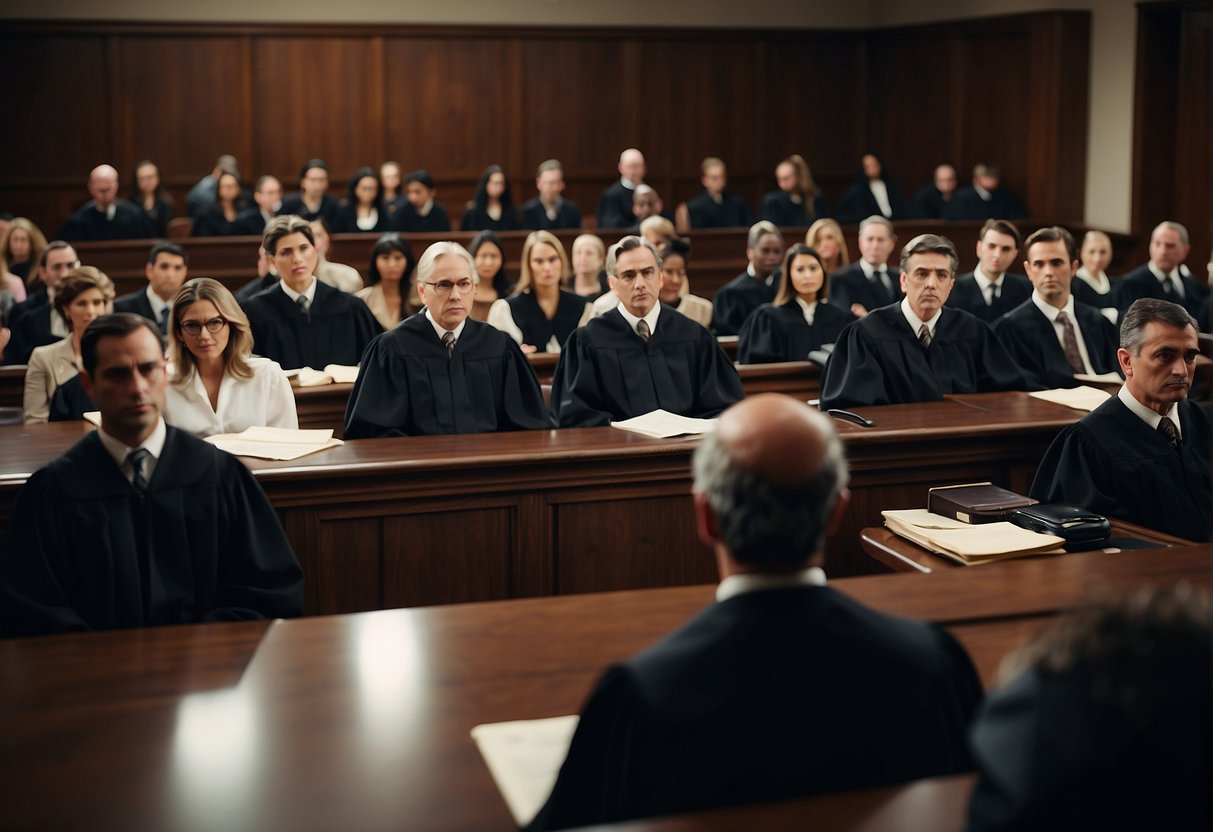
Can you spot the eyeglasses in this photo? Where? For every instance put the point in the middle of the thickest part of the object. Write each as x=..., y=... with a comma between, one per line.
x=194, y=328
x=444, y=287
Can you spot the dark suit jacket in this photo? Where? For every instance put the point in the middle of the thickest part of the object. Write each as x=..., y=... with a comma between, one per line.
x=251, y=222
x=136, y=303
x=615, y=207
x=730, y=212
x=851, y=285
x=87, y=223
x=1141, y=283
x=30, y=323
x=967, y=204
x=966, y=295
x=535, y=216
x=929, y=203
x=768, y=695
x=857, y=203
x=1032, y=341
x=293, y=204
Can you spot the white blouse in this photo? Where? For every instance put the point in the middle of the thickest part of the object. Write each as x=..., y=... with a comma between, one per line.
x=265, y=400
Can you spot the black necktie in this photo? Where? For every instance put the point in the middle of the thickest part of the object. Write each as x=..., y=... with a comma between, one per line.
x=137, y=459
x=163, y=321
x=1167, y=428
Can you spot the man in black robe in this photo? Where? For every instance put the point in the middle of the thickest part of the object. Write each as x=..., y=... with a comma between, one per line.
x=268, y=195
x=615, y=204
x=167, y=268
x=870, y=283
x=105, y=217
x=931, y=200
x=312, y=200
x=419, y=211
x=299, y=321
x=984, y=198
x=715, y=207
x=642, y=355
x=441, y=371
x=990, y=291
x=735, y=300
x=1163, y=277
x=1051, y=336
x=783, y=688
x=140, y=524
x=35, y=322
x=1143, y=455
x=918, y=350
x=550, y=210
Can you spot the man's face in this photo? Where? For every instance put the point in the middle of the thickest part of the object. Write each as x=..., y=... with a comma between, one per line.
x=550, y=185
x=314, y=183
x=1161, y=373
x=447, y=301
x=128, y=384
x=646, y=205
x=631, y=166
x=714, y=179
x=103, y=188
x=996, y=252
x=1096, y=254
x=876, y=244
x=637, y=280
x=269, y=198
x=945, y=179
x=785, y=177
x=58, y=263
x=987, y=181
x=1050, y=269
x=1167, y=249
x=766, y=256
x=166, y=275
x=417, y=194
x=295, y=259
x=927, y=283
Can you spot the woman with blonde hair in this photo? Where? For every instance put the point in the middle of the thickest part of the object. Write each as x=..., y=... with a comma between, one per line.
x=541, y=315
x=84, y=295
x=21, y=249
x=589, y=255
x=826, y=238
x=218, y=386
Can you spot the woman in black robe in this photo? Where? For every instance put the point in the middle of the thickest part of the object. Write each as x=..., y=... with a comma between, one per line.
x=149, y=195
x=799, y=201
x=220, y=219
x=540, y=315
x=363, y=209
x=491, y=206
x=862, y=199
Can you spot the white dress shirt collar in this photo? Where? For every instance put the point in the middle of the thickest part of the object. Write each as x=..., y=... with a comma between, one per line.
x=744, y=582
x=119, y=450
x=809, y=309
x=650, y=318
x=1051, y=312
x=915, y=322
x=752, y=272
x=984, y=281
x=1100, y=282
x=156, y=302
x=1150, y=417
x=309, y=292
x=439, y=331
x=1162, y=276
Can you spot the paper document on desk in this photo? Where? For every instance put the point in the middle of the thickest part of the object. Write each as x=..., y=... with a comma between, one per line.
x=1099, y=378
x=661, y=424
x=93, y=417
x=524, y=758
x=274, y=443
x=968, y=544
x=1079, y=398
x=331, y=374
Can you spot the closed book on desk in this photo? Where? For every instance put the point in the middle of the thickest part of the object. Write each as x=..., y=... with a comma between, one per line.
x=979, y=502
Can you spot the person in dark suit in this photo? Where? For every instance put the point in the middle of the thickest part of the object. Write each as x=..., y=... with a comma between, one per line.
x=872, y=193
x=312, y=200
x=870, y=283
x=419, y=210
x=222, y=217
x=550, y=210
x=267, y=194
x=1103, y=721
x=1163, y=277
x=149, y=195
x=984, y=198
x=783, y=688
x=615, y=204
x=1051, y=336
x=104, y=217
x=989, y=291
x=167, y=268
x=715, y=207
x=35, y=322
x=931, y=200
x=735, y=300
x=1143, y=455
x=799, y=201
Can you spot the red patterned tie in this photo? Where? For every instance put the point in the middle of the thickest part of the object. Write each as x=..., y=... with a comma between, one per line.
x=1070, y=343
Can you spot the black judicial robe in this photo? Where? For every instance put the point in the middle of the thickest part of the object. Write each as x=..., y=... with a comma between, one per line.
x=407, y=220
x=851, y=285
x=293, y=204
x=967, y=204
x=535, y=215
x=1112, y=463
x=30, y=325
x=778, y=207
x=1141, y=283
x=157, y=218
x=72, y=559
x=858, y=203
x=1032, y=341
x=735, y=300
x=730, y=212
x=69, y=402
x=407, y=386
x=967, y=295
x=929, y=203
x=347, y=221
x=607, y=374
x=537, y=328
x=768, y=695
x=615, y=207
x=779, y=333
x=476, y=218
x=254, y=287
x=251, y=222
x=336, y=330
x=87, y=223
x=212, y=223
x=878, y=360
x=1084, y=292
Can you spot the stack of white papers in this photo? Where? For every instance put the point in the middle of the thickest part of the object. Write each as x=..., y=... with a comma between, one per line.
x=274, y=443
x=524, y=757
x=969, y=544
x=1079, y=398
x=331, y=374
x=661, y=424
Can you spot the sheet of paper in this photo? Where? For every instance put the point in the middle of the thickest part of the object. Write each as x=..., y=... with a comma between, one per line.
x=1100, y=378
x=307, y=377
x=235, y=446
x=286, y=436
x=93, y=417
x=524, y=758
x=662, y=424
x=1079, y=398
x=342, y=373
x=924, y=519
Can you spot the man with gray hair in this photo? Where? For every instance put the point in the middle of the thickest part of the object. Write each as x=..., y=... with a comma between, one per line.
x=1143, y=455
x=1164, y=277
x=735, y=300
x=918, y=350
x=782, y=688
x=868, y=284
x=441, y=371
x=640, y=356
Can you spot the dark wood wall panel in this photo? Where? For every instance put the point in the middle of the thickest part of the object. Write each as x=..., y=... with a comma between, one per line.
x=477, y=553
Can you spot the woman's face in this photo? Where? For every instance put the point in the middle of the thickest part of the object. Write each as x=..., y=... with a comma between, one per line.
x=85, y=308
x=205, y=345
x=496, y=185
x=228, y=188
x=366, y=189
x=807, y=276
x=871, y=167
x=390, y=176
x=586, y=258
x=673, y=275
x=147, y=177
x=488, y=262
x=18, y=245
x=391, y=265
x=827, y=246
x=545, y=266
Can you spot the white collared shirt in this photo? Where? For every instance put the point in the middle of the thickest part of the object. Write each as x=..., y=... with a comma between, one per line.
x=1099, y=282
x=368, y=222
x=264, y=400
x=119, y=450
x=553, y=210
x=985, y=195
x=987, y=285
x=752, y=272
x=873, y=274
x=915, y=322
x=158, y=303
x=108, y=210
x=809, y=309
x=743, y=582
x=627, y=183
x=650, y=318
x=309, y=292
x=880, y=192
x=1177, y=273
x=1150, y=417
x=439, y=331
x=1051, y=312
x=424, y=210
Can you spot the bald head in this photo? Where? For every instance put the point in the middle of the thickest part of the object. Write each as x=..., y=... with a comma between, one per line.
x=103, y=185
x=775, y=436
x=631, y=165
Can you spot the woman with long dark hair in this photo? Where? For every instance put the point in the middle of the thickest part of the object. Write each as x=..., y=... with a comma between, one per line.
x=491, y=207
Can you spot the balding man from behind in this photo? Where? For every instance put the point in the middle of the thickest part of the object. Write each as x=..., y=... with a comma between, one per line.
x=105, y=217
x=783, y=687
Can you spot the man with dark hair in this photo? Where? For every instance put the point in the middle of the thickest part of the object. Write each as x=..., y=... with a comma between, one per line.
x=930, y=200
x=735, y=300
x=1163, y=277
x=1051, y=336
x=140, y=524
x=105, y=217
x=990, y=291
x=918, y=350
x=1143, y=455
x=267, y=193
x=312, y=200
x=782, y=688
x=984, y=198
x=299, y=321
x=35, y=321
x=867, y=285
x=167, y=268
x=714, y=207
x=550, y=210
x=642, y=355
x=418, y=211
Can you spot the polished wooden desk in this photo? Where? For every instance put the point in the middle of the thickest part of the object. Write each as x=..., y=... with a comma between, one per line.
x=361, y=722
